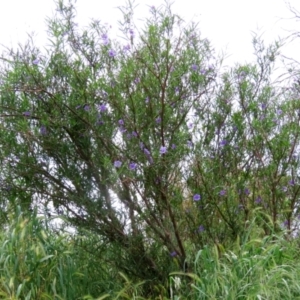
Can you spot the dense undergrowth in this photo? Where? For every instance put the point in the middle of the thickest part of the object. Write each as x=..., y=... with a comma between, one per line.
x=38, y=261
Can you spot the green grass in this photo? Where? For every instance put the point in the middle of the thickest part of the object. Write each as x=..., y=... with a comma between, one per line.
x=254, y=268
x=37, y=263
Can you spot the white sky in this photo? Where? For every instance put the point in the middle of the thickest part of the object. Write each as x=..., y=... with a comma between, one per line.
x=227, y=23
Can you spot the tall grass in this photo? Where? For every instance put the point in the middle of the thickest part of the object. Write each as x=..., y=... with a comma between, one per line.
x=36, y=263
x=254, y=268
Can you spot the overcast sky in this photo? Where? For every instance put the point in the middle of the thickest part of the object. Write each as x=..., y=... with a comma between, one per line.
x=227, y=23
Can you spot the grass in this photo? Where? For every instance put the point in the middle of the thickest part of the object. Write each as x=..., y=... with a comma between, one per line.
x=254, y=268
x=37, y=263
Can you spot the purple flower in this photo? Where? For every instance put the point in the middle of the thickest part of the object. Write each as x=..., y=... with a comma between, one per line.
x=163, y=150
x=121, y=122
x=105, y=39
x=279, y=112
x=134, y=134
x=247, y=192
x=147, y=152
x=43, y=130
x=242, y=74
x=173, y=146
x=284, y=189
x=99, y=122
x=117, y=164
x=137, y=80
x=258, y=200
x=112, y=53
x=223, y=143
x=292, y=182
x=197, y=197
x=122, y=129
x=158, y=120
x=203, y=71
x=222, y=193
x=131, y=32
x=86, y=107
x=190, y=143
x=194, y=67
x=102, y=107
x=173, y=254
x=26, y=113
x=201, y=228
x=190, y=125
x=150, y=159
x=132, y=166
x=193, y=36
x=147, y=100
x=36, y=61
x=126, y=48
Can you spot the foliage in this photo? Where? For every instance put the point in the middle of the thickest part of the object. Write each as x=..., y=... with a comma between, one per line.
x=37, y=263
x=148, y=147
x=254, y=268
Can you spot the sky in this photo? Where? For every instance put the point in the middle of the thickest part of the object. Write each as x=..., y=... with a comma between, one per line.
x=228, y=24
